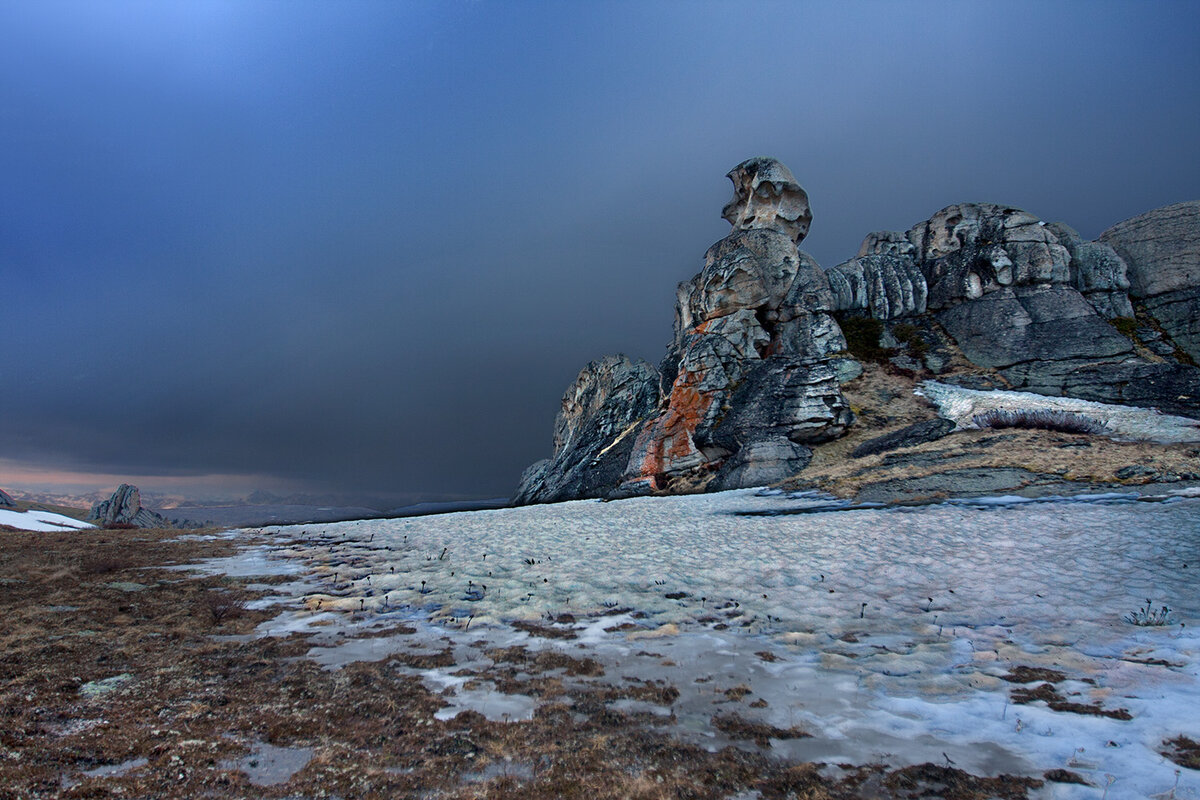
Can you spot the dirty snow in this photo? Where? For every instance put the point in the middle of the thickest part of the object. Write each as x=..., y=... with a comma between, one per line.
x=886, y=631
x=1129, y=423
x=34, y=520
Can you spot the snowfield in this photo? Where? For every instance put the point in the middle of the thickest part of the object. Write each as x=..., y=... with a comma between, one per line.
x=888, y=634
x=40, y=521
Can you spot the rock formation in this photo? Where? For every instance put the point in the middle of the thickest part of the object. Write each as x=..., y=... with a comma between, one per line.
x=6, y=501
x=124, y=508
x=749, y=380
x=983, y=296
x=593, y=431
x=1033, y=302
x=1162, y=251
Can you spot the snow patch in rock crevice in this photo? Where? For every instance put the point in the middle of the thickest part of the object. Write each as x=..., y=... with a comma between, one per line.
x=1129, y=423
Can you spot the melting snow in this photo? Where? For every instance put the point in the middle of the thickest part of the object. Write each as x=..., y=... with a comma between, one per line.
x=34, y=520
x=960, y=405
x=884, y=632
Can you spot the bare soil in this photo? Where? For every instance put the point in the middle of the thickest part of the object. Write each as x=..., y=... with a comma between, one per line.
x=120, y=678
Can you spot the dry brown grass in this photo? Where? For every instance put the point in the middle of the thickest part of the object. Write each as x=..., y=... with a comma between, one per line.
x=194, y=702
x=883, y=400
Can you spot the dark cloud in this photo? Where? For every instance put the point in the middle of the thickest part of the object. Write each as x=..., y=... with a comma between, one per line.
x=366, y=246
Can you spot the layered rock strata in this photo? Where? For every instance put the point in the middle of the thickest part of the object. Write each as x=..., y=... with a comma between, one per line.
x=124, y=508
x=1162, y=251
x=748, y=382
x=983, y=296
x=1033, y=302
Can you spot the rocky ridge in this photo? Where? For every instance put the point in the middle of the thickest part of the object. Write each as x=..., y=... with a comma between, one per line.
x=980, y=295
x=6, y=500
x=1039, y=307
x=124, y=509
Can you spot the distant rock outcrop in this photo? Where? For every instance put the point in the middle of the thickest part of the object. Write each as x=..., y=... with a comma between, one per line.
x=1033, y=302
x=124, y=508
x=747, y=383
x=6, y=501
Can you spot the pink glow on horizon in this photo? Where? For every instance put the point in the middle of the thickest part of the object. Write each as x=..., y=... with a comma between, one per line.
x=34, y=478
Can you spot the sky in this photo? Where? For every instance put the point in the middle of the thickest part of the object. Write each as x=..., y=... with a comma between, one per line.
x=361, y=248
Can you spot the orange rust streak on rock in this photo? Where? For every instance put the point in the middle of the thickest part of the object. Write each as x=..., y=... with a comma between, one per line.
x=671, y=434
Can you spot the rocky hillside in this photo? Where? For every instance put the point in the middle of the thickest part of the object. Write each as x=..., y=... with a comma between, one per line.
x=980, y=295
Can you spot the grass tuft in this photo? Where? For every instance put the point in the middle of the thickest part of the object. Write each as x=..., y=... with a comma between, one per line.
x=1149, y=617
x=1039, y=419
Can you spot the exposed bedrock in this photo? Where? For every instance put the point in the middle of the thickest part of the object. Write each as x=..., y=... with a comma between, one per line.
x=593, y=432
x=983, y=295
x=748, y=379
x=1162, y=251
x=124, y=508
x=6, y=501
x=1034, y=301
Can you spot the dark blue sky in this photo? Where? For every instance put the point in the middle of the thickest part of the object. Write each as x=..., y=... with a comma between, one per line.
x=362, y=247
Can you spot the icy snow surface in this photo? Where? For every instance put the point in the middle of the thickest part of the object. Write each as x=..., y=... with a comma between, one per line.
x=885, y=631
x=959, y=405
x=40, y=521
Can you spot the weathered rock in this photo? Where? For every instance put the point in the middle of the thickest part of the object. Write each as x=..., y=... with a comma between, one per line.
x=766, y=196
x=1168, y=386
x=1162, y=251
x=748, y=376
x=124, y=507
x=6, y=501
x=928, y=430
x=1031, y=324
x=1032, y=300
x=1160, y=247
x=1097, y=272
x=778, y=398
x=761, y=463
x=888, y=285
x=750, y=357
x=594, y=431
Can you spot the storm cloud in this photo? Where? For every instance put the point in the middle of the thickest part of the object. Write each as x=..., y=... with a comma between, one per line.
x=363, y=247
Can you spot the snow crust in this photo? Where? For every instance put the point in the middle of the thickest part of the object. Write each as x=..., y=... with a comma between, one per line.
x=34, y=520
x=889, y=630
x=959, y=405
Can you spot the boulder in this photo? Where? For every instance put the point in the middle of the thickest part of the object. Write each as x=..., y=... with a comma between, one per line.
x=593, y=432
x=6, y=501
x=927, y=430
x=1162, y=251
x=760, y=463
x=124, y=508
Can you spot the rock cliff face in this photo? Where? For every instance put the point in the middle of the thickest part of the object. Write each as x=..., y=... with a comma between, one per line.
x=593, y=433
x=6, y=501
x=748, y=380
x=125, y=508
x=1162, y=251
x=1034, y=302
x=986, y=296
